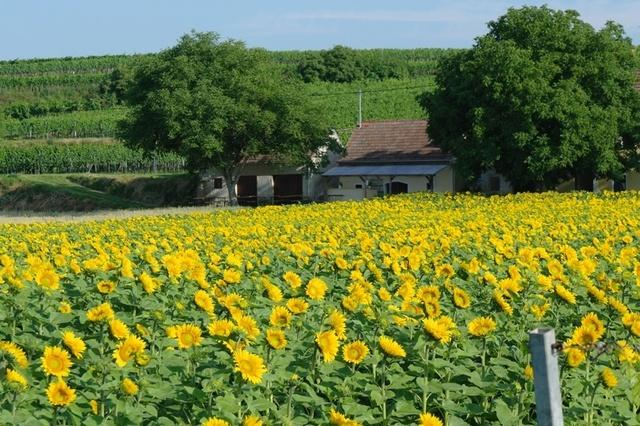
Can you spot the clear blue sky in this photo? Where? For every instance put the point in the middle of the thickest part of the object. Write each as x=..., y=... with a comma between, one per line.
x=52, y=28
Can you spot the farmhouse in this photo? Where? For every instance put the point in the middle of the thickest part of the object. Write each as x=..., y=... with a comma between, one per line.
x=263, y=181
x=390, y=157
x=382, y=157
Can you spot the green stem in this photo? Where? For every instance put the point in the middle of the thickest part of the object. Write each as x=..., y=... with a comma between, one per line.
x=593, y=397
x=383, y=375
x=13, y=407
x=426, y=380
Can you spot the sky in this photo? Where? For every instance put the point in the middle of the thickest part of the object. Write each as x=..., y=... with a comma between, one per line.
x=56, y=28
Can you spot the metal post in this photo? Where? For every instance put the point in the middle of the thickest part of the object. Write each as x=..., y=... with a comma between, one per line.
x=360, y=108
x=546, y=378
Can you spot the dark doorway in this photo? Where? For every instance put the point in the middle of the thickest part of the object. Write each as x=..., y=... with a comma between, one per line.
x=397, y=188
x=247, y=190
x=287, y=189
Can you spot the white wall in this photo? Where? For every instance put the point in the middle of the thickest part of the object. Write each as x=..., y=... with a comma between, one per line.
x=443, y=181
x=633, y=180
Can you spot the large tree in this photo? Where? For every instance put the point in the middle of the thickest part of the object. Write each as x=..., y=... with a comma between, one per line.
x=541, y=97
x=220, y=105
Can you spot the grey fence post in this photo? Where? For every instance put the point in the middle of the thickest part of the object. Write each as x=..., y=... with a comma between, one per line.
x=546, y=378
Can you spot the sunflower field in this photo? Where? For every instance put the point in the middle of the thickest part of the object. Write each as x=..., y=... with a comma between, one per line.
x=412, y=309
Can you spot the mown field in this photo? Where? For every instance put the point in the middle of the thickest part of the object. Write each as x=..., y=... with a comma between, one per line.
x=410, y=309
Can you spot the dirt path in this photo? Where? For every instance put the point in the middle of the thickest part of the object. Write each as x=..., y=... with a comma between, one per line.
x=36, y=217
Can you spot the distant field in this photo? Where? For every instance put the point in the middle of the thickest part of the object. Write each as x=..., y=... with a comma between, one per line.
x=45, y=101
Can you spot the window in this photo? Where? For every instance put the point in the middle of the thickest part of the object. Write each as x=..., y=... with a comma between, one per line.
x=494, y=183
x=217, y=183
x=358, y=186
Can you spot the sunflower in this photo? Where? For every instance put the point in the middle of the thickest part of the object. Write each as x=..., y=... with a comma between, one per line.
x=215, y=421
x=148, y=283
x=203, y=300
x=251, y=421
x=328, y=343
x=64, y=308
x=14, y=377
x=75, y=344
x=341, y=263
x=128, y=348
x=297, y=305
x=481, y=326
x=565, y=294
x=609, y=378
x=280, y=317
x=231, y=276
x=188, y=335
x=338, y=323
x=292, y=279
x=59, y=393
x=273, y=292
x=384, y=294
x=220, y=328
x=339, y=419
x=47, y=278
x=15, y=351
x=428, y=419
x=528, y=372
x=106, y=287
x=100, y=313
x=441, y=329
x=355, y=352
x=391, y=347
x=118, y=329
x=575, y=357
x=461, y=298
x=247, y=325
x=316, y=288
x=94, y=406
x=129, y=386
x=432, y=308
x=56, y=361
x=276, y=338
x=626, y=353
x=250, y=366
x=591, y=320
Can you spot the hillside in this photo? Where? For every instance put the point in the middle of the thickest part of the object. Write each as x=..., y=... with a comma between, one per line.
x=43, y=101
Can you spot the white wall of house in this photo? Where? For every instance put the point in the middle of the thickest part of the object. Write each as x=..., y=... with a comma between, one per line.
x=633, y=180
x=444, y=181
x=353, y=187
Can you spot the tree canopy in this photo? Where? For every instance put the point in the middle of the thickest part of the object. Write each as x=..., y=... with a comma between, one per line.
x=220, y=104
x=541, y=97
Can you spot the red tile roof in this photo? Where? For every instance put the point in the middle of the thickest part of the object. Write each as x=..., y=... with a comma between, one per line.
x=392, y=141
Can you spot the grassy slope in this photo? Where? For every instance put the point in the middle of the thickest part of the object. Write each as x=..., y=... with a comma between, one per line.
x=76, y=192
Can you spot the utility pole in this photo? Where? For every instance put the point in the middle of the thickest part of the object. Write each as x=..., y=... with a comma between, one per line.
x=359, y=108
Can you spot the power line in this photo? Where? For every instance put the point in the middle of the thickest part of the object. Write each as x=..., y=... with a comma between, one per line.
x=369, y=91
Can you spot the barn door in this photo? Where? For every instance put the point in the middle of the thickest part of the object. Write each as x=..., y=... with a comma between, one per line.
x=247, y=190
x=287, y=189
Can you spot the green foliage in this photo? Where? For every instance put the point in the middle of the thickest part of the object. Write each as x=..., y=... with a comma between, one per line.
x=541, y=97
x=219, y=104
x=81, y=124
x=74, y=157
x=381, y=100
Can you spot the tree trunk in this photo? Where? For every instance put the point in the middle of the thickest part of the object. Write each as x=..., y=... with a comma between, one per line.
x=584, y=180
x=231, y=180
